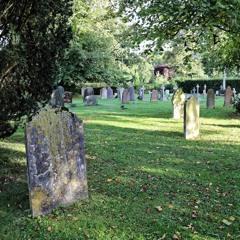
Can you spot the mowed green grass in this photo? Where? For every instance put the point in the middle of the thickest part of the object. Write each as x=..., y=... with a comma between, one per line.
x=145, y=180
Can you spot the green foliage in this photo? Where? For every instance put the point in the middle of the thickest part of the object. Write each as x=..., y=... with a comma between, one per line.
x=33, y=35
x=188, y=85
x=199, y=26
x=236, y=102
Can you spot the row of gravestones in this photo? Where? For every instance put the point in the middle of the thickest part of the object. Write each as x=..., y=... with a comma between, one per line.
x=56, y=153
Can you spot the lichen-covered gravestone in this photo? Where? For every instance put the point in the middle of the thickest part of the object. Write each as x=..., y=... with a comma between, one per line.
x=154, y=96
x=228, y=97
x=191, y=118
x=55, y=160
x=210, y=98
x=178, y=101
x=88, y=92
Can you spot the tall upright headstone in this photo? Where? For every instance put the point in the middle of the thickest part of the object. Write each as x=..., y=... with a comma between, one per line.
x=141, y=93
x=57, y=97
x=132, y=93
x=56, y=164
x=120, y=92
x=126, y=96
x=205, y=90
x=154, y=96
x=162, y=93
x=228, y=97
x=210, y=98
x=178, y=100
x=191, y=118
x=104, y=93
x=109, y=92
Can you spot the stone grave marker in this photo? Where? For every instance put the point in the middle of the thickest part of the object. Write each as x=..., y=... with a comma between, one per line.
x=82, y=91
x=120, y=92
x=228, y=97
x=210, y=98
x=68, y=97
x=154, y=96
x=88, y=92
x=205, y=90
x=56, y=164
x=57, y=97
x=191, y=118
x=141, y=93
x=104, y=93
x=91, y=100
x=132, y=93
x=109, y=92
x=126, y=96
x=178, y=101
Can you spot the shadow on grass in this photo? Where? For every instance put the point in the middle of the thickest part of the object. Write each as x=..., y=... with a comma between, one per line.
x=13, y=183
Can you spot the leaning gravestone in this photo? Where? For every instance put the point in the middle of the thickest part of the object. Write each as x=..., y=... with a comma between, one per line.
x=132, y=93
x=126, y=96
x=228, y=97
x=178, y=101
x=210, y=98
x=109, y=92
x=154, y=96
x=104, y=93
x=191, y=118
x=91, y=100
x=88, y=92
x=56, y=164
x=68, y=97
x=57, y=97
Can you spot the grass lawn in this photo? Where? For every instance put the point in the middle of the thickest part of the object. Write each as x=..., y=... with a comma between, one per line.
x=145, y=180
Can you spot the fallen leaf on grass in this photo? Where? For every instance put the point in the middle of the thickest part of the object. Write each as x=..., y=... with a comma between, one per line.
x=159, y=208
x=232, y=218
x=226, y=222
x=109, y=180
x=49, y=229
x=163, y=237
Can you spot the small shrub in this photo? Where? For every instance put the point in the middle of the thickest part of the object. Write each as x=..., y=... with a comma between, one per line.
x=236, y=102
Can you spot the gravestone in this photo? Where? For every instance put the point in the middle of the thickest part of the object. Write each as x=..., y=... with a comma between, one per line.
x=57, y=97
x=120, y=92
x=68, y=97
x=82, y=91
x=141, y=93
x=210, y=98
x=88, y=92
x=132, y=93
x=154, y=96
x=109, y=92
x=91, y=100
x=228, y=97
x=104, y=93
x=162, y=93
x=205, y=90
x=197, y=87
x=56, y=164
x=191, y=118
x=178, y=101
x=126, y=96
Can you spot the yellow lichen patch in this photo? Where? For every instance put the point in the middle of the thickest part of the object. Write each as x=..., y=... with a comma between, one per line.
x=38, y=199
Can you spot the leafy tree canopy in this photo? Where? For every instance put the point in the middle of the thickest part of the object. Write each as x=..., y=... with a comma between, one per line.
x=206, y=25
x=33, y=35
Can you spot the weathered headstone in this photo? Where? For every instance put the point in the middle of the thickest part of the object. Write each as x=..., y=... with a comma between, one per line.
x=109, y=92
x=126, y=96
x=228, y=96
x=210, y=98
x=162, y=93
x=68, y=97
x=154, y=96
x=57, y=97
x=91, y=100
x=178, y=101
x=205, y=90
x=120, y=92
x=191, y=118
x=104, y=93
x=56, y=164
x=88, y=92
x=197, y=87
x=132, y=93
